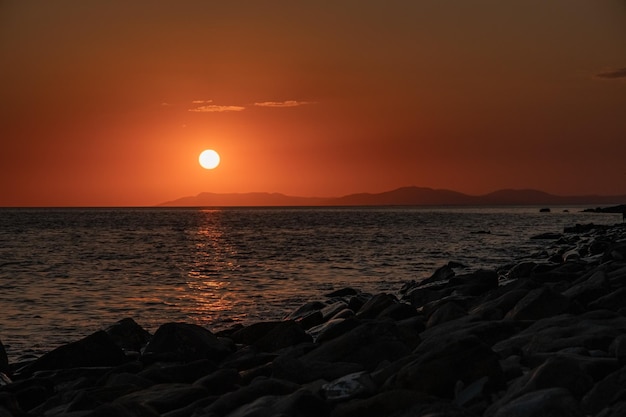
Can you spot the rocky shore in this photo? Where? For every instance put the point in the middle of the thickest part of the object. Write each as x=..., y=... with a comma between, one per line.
x=545, y=336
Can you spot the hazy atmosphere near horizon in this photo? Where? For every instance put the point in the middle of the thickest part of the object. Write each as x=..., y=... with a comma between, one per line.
x=110, y=103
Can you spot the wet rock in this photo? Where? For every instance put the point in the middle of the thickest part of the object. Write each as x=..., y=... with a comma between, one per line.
x=305, y=310
x=272, y=336
x=186, y=342
x=333, y=328
x=97, y=349
x=475, y=283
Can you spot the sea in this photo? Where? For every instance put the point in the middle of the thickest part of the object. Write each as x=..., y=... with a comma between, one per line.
x=68, y=272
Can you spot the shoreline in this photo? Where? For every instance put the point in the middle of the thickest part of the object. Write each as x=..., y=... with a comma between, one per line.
x=532, y=336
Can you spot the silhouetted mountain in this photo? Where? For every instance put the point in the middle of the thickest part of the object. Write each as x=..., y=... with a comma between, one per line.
x=405, y=196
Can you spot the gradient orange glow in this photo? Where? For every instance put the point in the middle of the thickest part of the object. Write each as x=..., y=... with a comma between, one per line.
x=110, y=103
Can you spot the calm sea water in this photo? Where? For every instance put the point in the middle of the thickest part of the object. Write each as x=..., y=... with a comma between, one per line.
x=65, y=273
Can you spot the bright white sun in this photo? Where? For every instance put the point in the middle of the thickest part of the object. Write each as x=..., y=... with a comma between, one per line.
x=209, y=159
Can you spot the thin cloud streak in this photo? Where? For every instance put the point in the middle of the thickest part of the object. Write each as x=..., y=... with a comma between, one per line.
x=287, y=103
x=214, y=108
x=613, y=75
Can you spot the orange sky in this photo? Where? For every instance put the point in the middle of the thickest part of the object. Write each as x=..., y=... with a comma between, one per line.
x=109, y=103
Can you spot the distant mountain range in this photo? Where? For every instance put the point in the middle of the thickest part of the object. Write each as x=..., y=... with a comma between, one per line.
x=405, y=196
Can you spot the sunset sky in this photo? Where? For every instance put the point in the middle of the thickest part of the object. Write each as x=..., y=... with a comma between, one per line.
x=110, y=102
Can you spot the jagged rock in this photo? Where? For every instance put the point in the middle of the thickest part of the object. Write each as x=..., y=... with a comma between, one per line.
x=186, y=342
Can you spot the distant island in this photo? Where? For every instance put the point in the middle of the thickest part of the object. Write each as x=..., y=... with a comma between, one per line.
x=404, y=196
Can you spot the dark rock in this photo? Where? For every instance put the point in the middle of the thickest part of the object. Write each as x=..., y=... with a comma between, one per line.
x=165, y=397
x=128, y=335
x=556, y=372
x=260, y=387
x=186, y=342
x=181, y=373
x=247, y=358
x=590, y=289
x=437, y=371
x=368, y=344
x=354, y=385
x=97, y=349
x=220, y=381
x=285, y=334
x=475, y=283
x=375, y=306
x=302, y=372
x=612, y=301
x=123, y=410
x=543, y=403
x=333, y=328
x=605, y=392
x=301, y=403
x=383, y=404
x=419, y=297
x=539, y=303
x=306, y=309
x=443, y=273
x=521, y=270
x=397, y=311
x=497, y=308
x=4, y=360
x=448, y=311
x=594, y=330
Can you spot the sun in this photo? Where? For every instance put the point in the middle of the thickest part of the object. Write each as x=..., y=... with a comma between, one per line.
x=209, y=159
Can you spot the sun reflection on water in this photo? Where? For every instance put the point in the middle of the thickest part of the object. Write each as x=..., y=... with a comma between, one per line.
x=211, y=298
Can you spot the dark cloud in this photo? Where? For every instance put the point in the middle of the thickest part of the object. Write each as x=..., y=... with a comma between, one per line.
x=617, y=74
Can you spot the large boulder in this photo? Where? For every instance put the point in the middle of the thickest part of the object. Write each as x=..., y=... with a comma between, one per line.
x=437, y=371
x=128, y=335
x=4, y=360
x=97, y=349
x=543, y=403
x=367, y=344
x=539, y=303
x=186, y=342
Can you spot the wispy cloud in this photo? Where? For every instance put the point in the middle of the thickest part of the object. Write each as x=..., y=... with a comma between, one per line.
x=616, y=74
x=287, y=103
x=202, y=101
x=214, y=108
